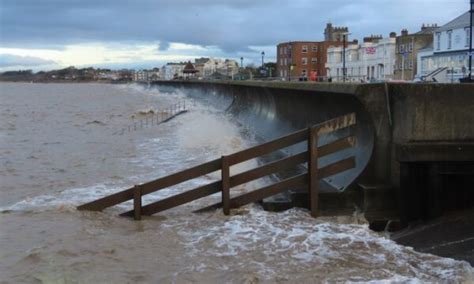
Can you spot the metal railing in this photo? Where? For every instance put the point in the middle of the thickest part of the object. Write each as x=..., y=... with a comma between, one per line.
x=154, y=119
x=309, y=179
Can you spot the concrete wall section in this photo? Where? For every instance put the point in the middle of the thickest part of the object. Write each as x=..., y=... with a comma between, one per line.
x=396, y=124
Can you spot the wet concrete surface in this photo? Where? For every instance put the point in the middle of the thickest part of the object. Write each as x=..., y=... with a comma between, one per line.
x=449, y=236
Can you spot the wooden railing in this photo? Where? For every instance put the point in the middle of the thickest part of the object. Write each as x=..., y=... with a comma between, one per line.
x=151, y=119
x=309, y=179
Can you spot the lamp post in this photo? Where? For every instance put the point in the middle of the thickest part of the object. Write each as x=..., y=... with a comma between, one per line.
x=263, y=54
x=471, y=11
x=344, y=58
x=289, y=61
x=241, y=67
x=344, y=38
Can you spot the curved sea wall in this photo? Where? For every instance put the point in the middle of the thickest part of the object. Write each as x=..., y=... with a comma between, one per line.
x=396, y=124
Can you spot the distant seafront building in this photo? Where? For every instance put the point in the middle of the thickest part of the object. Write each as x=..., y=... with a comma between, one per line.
x=209, y=66
x=172, y=70
x=374, y=59
x=204, y=68
x=302, y=60
x=146, y=75
x=447, y=59
x=408, y=46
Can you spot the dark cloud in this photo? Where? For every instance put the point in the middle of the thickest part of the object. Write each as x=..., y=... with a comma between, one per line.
x=10, y=60
x=233, y=26
x=164, y=45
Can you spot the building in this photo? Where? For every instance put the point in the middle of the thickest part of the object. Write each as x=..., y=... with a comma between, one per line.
x=334, y=33
x=374, y=59
x=189, y=71
x=146, y=75
x=207, y=67
x=172, y=71
x=407, y=48
x=300, y=60
x=447, y=59
x=303, y=60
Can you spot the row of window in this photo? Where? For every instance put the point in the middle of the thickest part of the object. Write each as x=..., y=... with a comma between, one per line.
x=304, y=49
x=304, y=73
x=408, y=65
x=450, y=39
x=402, y=48
x=304, y=61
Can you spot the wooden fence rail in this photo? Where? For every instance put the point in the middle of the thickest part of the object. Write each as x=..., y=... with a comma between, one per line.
x=309, y=179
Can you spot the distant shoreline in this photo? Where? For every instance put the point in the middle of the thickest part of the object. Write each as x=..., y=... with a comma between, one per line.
x=66, y=81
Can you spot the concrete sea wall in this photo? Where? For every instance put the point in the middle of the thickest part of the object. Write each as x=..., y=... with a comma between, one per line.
x=401, y=128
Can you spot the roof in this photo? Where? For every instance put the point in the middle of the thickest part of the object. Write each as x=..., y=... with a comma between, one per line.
x=460, y=22
x=201, y=60
x=427, y=30
x=189, y=68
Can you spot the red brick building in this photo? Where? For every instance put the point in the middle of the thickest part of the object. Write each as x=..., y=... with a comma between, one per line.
x=307, y=59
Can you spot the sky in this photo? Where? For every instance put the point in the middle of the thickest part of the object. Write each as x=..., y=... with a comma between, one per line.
x=51, y=34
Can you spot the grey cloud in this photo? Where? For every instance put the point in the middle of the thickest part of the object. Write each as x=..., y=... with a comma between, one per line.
x=10, y=60
x=164, y=45
x=233, y=26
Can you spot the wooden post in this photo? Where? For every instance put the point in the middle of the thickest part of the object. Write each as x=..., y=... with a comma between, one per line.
x=137, y=203
x=225, y=186
x=313, y=185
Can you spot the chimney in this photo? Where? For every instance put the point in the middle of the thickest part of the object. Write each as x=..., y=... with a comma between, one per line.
x=393, y=34
x=404, y=32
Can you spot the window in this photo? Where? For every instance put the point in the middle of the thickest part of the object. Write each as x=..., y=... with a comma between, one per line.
x=285, y=50
x=304, y=60
x=284, y=61
x=281, y=61
x=410, y=47
x=314, y=60
x=304, y=48
x=438, y=41
x=401, y=48
x=314, y=48
x=468, y=36
x=450, y=39
x=281, y=50
x=410, y=64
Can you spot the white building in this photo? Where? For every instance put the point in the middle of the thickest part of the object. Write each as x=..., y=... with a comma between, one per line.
x=374, y=59
x=447, y=60
x=172, y=71
x=209, y=66
x=146, y=75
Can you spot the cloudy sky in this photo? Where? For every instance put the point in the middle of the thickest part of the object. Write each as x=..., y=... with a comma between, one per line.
x=48, y=34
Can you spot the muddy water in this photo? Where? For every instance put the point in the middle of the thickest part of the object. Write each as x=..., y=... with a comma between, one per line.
x=58, y=150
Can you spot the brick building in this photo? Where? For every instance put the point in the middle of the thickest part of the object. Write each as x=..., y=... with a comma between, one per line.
x=407, y=47
x=306, y=60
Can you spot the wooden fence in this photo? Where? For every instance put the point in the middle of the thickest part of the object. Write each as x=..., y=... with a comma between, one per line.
x=154, y=119
x=309, y=179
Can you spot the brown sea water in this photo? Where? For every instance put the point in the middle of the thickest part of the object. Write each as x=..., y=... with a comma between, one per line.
x=59, y=148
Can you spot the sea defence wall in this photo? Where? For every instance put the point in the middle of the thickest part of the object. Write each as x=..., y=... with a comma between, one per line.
x=415, y=142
